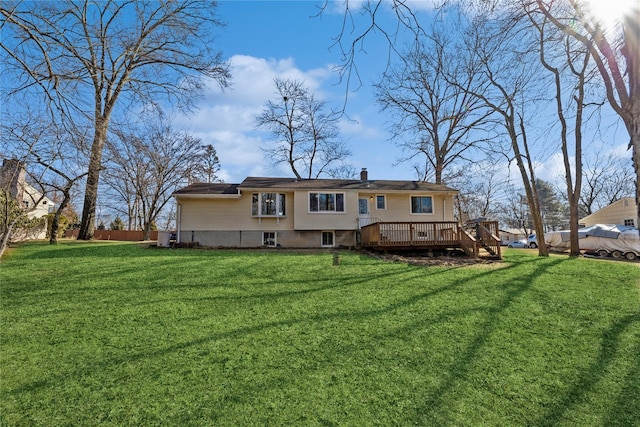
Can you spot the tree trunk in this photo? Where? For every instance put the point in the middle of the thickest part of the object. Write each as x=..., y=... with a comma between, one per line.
x=87, y=224
x=631, y=51
x=635, y=144
x=55, y=222
x=529, y=182
x=146, y=231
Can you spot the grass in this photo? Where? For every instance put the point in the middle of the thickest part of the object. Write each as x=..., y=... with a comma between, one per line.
x=116, y=334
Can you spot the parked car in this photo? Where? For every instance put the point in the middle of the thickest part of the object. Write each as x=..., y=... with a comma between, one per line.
x=518, y=244
x=532, y=241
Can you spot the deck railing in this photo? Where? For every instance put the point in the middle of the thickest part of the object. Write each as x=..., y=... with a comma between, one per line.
x=432, y=235
x=411, y=234
x=468, y=243
x=488, y=235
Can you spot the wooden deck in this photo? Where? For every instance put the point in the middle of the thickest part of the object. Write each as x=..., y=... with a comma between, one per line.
x=432, y=236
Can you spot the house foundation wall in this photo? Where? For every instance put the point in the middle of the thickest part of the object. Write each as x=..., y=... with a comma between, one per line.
x=252, y=239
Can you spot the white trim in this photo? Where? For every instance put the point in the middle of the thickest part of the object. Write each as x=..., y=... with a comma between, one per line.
x=278, y=206
x=433, y=211
x=178, y=222
x=207, y=196
x=344, y=202
x=275, y=239
x=333, y=239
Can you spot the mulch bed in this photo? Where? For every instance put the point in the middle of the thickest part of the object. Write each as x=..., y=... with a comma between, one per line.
x=423, y=259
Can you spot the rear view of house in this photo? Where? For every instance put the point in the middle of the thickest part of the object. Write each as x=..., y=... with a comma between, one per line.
x=292, y=213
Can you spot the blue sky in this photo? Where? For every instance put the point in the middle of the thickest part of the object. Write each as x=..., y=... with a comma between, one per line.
x=268, y=39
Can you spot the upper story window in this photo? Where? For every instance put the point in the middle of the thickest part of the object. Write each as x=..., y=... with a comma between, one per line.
x=268, y=204
x=381, y=202
x=421, y=205
x=326, y=202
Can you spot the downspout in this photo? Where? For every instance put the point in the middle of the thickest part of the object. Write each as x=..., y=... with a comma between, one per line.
x=178, y=221
x=444, y=209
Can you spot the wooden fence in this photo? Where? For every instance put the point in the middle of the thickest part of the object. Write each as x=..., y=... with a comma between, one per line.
x=121, y=235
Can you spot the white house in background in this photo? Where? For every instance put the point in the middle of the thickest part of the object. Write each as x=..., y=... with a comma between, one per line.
x=621, y=212
x=508, y=235
x=34, y=202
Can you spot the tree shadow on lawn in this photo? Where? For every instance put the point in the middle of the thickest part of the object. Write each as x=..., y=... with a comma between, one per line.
x=434, y=401
x=395, y=276
x=245, y=392
x=463, y=363
x=627, y=408
x=588, y=379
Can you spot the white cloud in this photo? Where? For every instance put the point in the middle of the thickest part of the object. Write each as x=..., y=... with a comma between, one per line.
x=226, y=118
x=355, y=126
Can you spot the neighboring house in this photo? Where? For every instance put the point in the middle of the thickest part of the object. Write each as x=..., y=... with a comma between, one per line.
x=508, y=235
x=13, y=179
x=620, y=212
x=305, y=213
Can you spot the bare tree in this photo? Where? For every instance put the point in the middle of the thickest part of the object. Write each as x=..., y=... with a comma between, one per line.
x=480, y=189
x=617, y=57
x=304, y=133
x=431, y=116
x=572, y=69
x=18, y=201
x=53, y=151
x=65, y=187
x=508, y=73
x=146, y=165
x=514, y=211
x=206, y=165
x=502, y=50
x=607, y=178
x=86, y=56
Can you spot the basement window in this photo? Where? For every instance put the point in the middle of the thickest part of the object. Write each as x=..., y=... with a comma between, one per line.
x=327, y=238
x=269, y=238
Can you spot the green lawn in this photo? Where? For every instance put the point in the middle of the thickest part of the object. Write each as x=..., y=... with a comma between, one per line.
x=117, y=334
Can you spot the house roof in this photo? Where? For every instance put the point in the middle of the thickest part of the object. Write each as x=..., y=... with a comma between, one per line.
x=341, y=184
x=207, y=188
x=260, y=183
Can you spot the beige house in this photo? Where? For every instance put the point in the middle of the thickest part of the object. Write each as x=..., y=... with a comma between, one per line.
x=286, y=212
x=33, y=202
x=621, y=212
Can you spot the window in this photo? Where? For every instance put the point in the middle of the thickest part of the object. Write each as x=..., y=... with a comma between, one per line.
x=327, y=238
x=268, y=204
x=269, y=238
x=421, y=205
x=326, y=202
x=381, y=202
x=630, y=222
x=363, y=206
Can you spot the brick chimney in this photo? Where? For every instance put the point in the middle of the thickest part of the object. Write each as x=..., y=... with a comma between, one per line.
x=12, y=177
x=364, y=175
